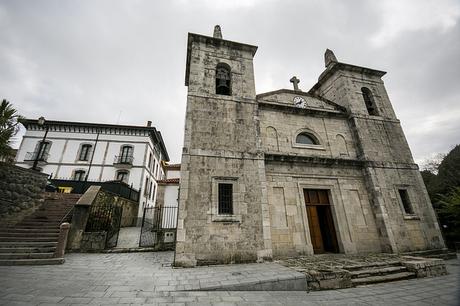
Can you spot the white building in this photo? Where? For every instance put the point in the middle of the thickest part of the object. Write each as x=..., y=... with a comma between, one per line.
x=96, y=153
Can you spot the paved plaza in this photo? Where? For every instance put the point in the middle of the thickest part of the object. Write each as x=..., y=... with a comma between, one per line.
x=148, y=279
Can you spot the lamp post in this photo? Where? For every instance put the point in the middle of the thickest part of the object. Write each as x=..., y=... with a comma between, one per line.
x=40, y=122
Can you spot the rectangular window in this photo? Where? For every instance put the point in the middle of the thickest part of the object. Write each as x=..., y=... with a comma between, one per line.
x=406, y=202
x=225, y=199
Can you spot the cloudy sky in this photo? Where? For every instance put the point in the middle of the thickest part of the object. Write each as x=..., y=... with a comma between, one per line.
x=124, y=61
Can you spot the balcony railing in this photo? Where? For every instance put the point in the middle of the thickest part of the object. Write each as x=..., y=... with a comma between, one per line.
x=123, y=160
x=32, y=156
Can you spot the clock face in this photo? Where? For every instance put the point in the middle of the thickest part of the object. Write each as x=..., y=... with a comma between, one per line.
x=299, y=102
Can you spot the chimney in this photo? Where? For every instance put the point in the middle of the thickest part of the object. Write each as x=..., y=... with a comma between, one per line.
x=149, y=123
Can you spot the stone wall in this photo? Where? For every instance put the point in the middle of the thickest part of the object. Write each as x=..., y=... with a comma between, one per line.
x=21, y=191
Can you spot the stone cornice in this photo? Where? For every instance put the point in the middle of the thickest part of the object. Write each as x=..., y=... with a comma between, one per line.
x=302, y=111
x=192, y=37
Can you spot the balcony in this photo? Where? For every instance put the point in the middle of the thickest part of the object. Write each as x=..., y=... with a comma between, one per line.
x=41, y=158
x=123, y=161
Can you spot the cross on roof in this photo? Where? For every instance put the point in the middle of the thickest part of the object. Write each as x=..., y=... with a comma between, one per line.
x=295, y=81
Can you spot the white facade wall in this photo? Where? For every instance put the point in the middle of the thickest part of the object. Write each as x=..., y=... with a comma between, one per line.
x=63, y=159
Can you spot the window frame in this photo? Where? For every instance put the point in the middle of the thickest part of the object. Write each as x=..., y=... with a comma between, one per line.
x=235, y=216
x=412, y=214
x=122, y=172
x=369, y=101
x=311, y=134
x=227, y=67
x=88, y=152
x=82, y=175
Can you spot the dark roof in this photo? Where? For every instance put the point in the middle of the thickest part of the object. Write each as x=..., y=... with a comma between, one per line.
x=171, y=166
x=216, y=42
x=154, y=133
x=172, y=181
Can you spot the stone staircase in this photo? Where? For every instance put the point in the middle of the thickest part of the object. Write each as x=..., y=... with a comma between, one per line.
x=33, y=240
x=378, y=272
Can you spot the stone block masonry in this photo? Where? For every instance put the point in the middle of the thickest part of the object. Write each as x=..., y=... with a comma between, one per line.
x=21, y=191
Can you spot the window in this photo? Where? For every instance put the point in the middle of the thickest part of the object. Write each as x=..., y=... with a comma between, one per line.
x=79, y=175
x=369, y=100
x=126, y=155
x=146, y=192
x=225, y=199
x=223, y=79
x=404, y=196
x=85, y=152
x=150, y=161
x=153, y=192
x=123, y=176
x=305, y=138
x=42, y=150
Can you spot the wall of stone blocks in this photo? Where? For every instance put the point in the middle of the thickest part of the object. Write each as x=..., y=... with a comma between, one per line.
x=278, y=131
x=214, y=241
x=411, y=232
x=352, y=213
x=21, y=191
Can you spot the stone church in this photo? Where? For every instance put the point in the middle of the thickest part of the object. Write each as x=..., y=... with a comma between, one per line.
x=288, y=172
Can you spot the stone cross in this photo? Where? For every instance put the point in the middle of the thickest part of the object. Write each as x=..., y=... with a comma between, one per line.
x=295, y=81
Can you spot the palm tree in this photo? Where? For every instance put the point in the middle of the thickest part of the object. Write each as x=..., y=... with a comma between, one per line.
x=9, y=126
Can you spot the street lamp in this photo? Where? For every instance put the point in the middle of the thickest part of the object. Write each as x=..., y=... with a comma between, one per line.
x=40, y=122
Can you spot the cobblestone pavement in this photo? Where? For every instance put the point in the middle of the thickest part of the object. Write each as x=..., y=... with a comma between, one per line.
x=148, y=279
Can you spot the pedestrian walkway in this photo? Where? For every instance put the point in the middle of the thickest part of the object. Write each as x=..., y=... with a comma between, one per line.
x=148, y=279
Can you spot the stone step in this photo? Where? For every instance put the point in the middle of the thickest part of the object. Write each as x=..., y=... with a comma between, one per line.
x=28, y=234
x=4, y=256
x=20, y=249
x=34, y=244
x=382, y=278
x=37, y=227
x=23, y=262
x=373, y=265
x=28, y=230
x=39, y=224
x=31, y=239
x=377, y=271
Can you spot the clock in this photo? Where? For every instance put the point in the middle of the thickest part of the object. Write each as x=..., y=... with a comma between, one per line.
x=300, y=102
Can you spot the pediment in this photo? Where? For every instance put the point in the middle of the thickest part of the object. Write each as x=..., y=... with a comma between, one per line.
x=298, y=99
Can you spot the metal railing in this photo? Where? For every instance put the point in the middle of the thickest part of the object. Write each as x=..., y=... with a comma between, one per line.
x=117, y=187
x=123, y=159
x=32, y=156
x=105, y=218
x=155, y=220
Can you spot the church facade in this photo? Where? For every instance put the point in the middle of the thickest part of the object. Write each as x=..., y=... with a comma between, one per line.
x=288, y=172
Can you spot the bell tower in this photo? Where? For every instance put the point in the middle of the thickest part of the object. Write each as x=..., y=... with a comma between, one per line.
x=222, y=203
x=398, y=195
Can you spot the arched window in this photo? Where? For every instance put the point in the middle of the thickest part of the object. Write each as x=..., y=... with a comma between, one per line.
x=123, y=175
x=307, y=139
x=79, y=175
x=85, y=152
x=223, y=80
x=369, y=100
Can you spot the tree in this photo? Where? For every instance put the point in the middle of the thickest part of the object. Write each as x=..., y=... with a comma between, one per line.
x=449, y=214
x=9, y=126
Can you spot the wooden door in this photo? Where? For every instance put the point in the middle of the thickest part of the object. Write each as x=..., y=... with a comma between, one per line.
x=315, y=230
x=320, y=221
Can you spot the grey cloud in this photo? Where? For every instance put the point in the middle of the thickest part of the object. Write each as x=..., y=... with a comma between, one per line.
x=91, y=60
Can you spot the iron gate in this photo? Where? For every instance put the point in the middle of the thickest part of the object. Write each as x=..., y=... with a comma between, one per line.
x=106, y=218
x=155, y=221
